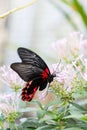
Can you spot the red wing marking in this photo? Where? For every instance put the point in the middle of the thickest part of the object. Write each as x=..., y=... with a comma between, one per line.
x=28, y=92
x=45, y=73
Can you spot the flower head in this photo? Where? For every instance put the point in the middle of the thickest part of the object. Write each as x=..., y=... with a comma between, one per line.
x=9, y=108
x=11, y=78
x=65, y=77
x=71, y=46
x=84, y=47
x=9, y=103
x=60, y=47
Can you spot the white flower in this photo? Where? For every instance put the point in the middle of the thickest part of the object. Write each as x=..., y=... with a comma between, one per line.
x=84, y=47
x=68, y=73
x=11, y=78
x=9, y=103
x=70, y=45
x=60, y=47
x=74, y=41
x=65, y=77
x=84, y=63
x=85, y=76
x=56, y=68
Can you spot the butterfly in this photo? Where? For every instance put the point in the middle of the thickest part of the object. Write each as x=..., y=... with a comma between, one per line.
x=32, y=70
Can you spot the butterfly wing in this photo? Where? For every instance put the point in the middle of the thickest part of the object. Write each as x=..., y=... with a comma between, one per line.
x=43, y=85
x=28, y=56
x=33, y=70
x=30, y=89
x=26, y=71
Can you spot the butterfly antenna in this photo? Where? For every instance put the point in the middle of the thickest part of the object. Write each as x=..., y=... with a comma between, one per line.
x=58, y=64
x=55, y=71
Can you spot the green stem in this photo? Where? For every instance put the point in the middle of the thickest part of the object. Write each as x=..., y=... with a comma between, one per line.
x=60, y=125
x=16, y=127
x=2, y=126
x=17, y=9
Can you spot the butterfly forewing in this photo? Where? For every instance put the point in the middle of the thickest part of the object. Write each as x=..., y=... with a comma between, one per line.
x=26, y=71
x=28, y=56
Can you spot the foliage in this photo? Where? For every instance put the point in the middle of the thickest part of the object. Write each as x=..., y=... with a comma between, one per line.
x=75, y=6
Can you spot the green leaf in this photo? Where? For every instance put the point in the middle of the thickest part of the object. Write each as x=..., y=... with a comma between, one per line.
x=47, y=127
x=66, y=2
x=11, y=125
x=30, y=123
x=52, y=114
x=30, y=128
x=78, y=7
x=74, y=128
x=36, y=102
x=84, y=117
x=2, y=117
x=75, y=116
x=81, y=11
x=20, y=127
x=40, y=114
x=77, y=124
x=79, y=107
x=28, y=109
x=53, y=103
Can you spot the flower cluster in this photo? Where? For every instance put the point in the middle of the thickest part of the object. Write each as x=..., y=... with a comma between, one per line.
x=9, y=109
x=71, y=73
x=9, y=102
x=70, y=47
x=11, y=78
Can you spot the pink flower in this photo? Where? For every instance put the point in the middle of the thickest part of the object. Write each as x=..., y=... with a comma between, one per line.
x=60, y=47
x=84, y=63
x=11, y=78
x=85, y=76
x=9, y=103
x=74, y=42
x=84, y=47
x=68, y=46
x=56, y=68
x=65, y=76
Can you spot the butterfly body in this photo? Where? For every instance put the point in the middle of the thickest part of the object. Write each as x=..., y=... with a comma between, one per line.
x=32, y=70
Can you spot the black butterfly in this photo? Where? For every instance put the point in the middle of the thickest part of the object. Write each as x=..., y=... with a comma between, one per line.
x=34, y=71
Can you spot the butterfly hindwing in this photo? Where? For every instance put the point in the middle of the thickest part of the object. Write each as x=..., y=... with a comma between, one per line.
x=43, y=85
x=29, y=91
